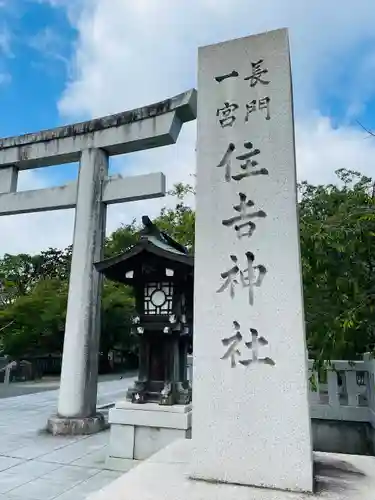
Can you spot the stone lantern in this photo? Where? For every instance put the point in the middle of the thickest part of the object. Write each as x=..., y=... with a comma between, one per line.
x=160, y=270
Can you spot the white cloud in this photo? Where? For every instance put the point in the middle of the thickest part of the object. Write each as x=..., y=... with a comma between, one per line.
x=322, y=149
x=32, y=232
x=5, y=78
x=5, y=41
x=49, y=44
x=73, y=8
x=130, y=54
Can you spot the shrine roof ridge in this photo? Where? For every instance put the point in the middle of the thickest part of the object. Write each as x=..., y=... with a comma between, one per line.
x=184, y=104
x=148, y=245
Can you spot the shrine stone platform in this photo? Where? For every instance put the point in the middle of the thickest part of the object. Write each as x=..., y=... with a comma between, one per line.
x=165, y=476
x=141, y=430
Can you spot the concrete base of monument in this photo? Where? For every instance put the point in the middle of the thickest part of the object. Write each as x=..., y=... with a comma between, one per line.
x=140, y=430
x=64, y=426
x=165, y=476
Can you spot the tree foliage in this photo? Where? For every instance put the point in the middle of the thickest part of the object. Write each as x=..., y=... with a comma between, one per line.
x=34, y=323
x=178, y=222
x=17, y=275
x=124, y=237
x=337, y=227
x=34, y=289
x=116, y=319
x=36, y=320
x=337, y=224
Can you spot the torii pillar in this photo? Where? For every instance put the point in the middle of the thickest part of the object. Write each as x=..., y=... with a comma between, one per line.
x=90, y=143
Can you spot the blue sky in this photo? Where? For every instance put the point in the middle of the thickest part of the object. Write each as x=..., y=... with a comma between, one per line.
x=39, y=38
x=68, y=60
x=35, y=65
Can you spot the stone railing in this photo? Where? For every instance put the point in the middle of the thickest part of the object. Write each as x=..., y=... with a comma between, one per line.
x=343, y=391
x=190, y=368
x=5, y=372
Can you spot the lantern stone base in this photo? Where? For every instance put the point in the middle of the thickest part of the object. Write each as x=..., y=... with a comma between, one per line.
x=139, y=431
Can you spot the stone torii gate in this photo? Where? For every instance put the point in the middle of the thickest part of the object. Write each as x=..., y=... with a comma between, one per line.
x=90, y=143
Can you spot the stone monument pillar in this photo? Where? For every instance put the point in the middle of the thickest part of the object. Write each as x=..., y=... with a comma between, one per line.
x=251, y=416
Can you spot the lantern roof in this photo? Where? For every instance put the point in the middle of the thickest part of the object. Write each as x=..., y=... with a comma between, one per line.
x=153, y=242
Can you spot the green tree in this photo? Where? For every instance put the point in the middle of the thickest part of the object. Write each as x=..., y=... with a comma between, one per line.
x=20, y=273
x=53, y=263
x=116, y=319
x=179, y=222
x=17, y=275
x=34, y=323
x=337, y=224
x=121, y=239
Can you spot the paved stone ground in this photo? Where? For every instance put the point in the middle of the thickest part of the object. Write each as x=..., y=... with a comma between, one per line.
x=37, y=466
x=45, y=384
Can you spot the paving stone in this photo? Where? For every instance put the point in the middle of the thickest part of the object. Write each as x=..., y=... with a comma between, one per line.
x=35, y=465
x=32, y=469
x=95, y=483
x=95, y=459
x=8, y=462
x=10, y=481
x=70, y=473
x=40, y=489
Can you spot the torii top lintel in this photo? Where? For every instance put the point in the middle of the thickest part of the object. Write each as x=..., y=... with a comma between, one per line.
x=143, y=128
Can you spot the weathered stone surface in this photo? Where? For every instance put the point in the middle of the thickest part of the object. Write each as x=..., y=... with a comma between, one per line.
x=164, y=476
x=8, y=180
x=143, y=128
x=116, y=189
x=251, y=416
x=63, y=426
x=184, y=103
x=79, y=372
x=139, y=431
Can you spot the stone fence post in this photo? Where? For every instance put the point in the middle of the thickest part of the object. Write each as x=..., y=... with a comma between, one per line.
x=370, y=362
